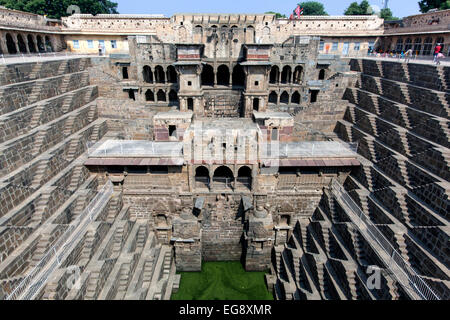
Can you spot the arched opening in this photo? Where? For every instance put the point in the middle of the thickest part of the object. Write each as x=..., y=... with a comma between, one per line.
x=427, y=46
x=149, y=95
x=48, y=44
x=418, y=46
x=223, y=177
x=273, y=97
x=223, y=76
x=207, y=75
x=322, y=74
x=274, y=136
x=244, y=178
x=40, y=44
x=250, y=34
x=399, y=46
x=202, y=177
x=10, y=44
x=31, y=44
x=314, y=95
x=173, y=97
x=190, y=103
x=284, y=98
x=256, y=104
x=159, y=75
x=198, y=34
x=147, y=74
x=131, y=95
x=238, y=76
x=274, y=72
x=161, y=96
x=408, y=44
x=286, y=75
x=295, y=99
x=298, y=74
x=172, y=76
x=125, y=72
x=21, y=44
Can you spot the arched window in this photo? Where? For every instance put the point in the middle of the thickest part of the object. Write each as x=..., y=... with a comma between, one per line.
x=21, y=43
x=40, y=44
x=202, y=177
x=10, y=44
x=190, y=103
x=273, y=97
x=223, y=76
x=198, y=34
x=427, y=46
x=238, y=76
x=399, y=46
x=172, y=76
x=161, y=96
x=250, y=34
x=147, y=74
x=284, y=98
x=274, y=72
x=286, y=75
x=298, y=74
x=173, y=97
x=295, y=99
x=244, y=178
x=207, y=75
x=159, y=75
x=223, y=177
x=418, y=46
x=408, y=44
x=149, y=95
x=31, y=44
x=322, y=74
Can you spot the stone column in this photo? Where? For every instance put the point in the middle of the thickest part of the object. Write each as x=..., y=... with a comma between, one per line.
x=16, y=43
x=187, y=242
x=259, y=238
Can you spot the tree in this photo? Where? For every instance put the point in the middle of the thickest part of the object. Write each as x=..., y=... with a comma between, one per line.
x=313, y=8
x=427, y=5
x=386, y=14
x=58, y=8
x=277, y=15
x=356, y=9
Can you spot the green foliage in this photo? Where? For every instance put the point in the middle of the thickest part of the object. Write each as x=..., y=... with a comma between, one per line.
x=58, y=8
x=356, y=9
x=386, y=14
x=277, y=14
x=313, y=8
x=427, y=5
x=222, y=281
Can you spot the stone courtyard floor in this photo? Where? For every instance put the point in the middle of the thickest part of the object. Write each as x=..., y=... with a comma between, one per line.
x=222, y=281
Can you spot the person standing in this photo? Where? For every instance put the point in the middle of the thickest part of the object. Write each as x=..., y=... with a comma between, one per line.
x=408, y=55
x=437, y=50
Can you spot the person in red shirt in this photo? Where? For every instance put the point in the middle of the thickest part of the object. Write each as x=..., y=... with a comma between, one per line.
x=436, y=51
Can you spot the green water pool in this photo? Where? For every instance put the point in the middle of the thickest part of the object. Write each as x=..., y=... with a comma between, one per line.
x=222, y=281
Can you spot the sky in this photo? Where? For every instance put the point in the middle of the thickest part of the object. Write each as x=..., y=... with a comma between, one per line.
x=400, y=8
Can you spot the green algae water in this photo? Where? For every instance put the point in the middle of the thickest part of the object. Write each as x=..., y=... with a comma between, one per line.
x=222, y=281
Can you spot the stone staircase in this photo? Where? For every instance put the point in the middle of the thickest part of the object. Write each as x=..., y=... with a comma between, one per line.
x=37, y=113
x=39, y=176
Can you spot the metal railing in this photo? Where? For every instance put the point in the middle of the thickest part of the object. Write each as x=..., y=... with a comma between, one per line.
x=32, y=284
x=223, y=182
x=405, y=275
x=24, y=57
x=395, y=57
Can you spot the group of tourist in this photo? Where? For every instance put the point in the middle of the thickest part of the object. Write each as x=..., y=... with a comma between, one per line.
x=438, y=55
